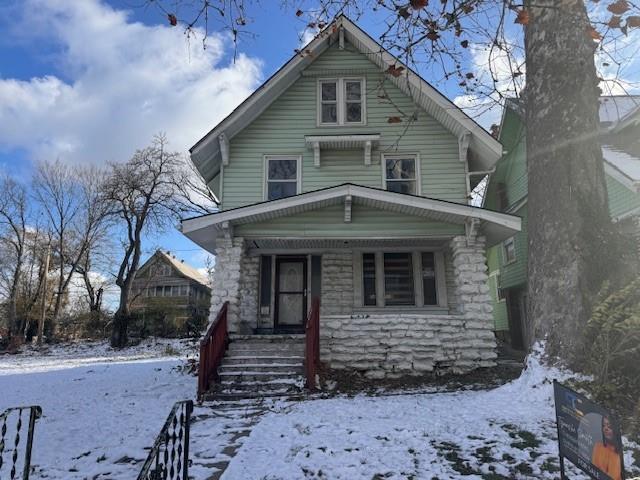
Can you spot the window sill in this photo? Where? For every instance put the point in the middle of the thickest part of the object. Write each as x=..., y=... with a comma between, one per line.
x=401, y=309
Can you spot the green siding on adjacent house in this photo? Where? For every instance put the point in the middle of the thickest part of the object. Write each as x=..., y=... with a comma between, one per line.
x=515, y=273
x=500, y=317
x=621, y=199
x=365, y=222
x=281, y=129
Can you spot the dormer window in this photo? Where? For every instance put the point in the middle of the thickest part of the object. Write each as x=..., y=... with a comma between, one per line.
x=341, y=101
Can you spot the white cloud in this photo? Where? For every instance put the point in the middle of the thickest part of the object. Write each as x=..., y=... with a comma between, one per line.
x=128, y=81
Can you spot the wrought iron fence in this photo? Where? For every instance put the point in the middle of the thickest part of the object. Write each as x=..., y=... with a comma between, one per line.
x=169, y=456
x=13, y=422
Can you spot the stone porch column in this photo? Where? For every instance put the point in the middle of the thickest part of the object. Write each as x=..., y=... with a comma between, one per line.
x=474, y=302
x=226, y=280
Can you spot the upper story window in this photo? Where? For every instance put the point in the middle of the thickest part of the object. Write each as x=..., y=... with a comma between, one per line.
x=509, y=250
x=341, y=101
x=282, y=177
x=401, y=174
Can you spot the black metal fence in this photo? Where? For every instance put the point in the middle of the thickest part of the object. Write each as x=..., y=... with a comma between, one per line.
x=169, y=456
x=13, y=423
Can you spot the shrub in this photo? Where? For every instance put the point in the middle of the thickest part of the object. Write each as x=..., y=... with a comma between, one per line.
x=612, y=352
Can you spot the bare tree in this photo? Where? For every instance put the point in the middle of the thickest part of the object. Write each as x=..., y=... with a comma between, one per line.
x=71, y=199
x=14, y=212
x=148, y=193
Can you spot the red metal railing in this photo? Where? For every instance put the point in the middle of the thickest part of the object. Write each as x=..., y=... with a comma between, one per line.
x=212, y=348
x=312, y=350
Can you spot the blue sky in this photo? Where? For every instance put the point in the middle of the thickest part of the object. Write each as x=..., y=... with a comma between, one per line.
x=92, y=80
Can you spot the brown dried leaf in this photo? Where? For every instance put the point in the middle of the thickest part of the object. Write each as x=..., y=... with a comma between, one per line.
x=395, y=71
x=299, y=13
x=433, y=35
x=469, y=76
x=633, y=21
x=593, y=33
x=394, y=120
x=464, y=43
x=418, y=4
x=618, y=7
x=404, y=12
x=614, y=22
x=173, y=20
x=522, y=17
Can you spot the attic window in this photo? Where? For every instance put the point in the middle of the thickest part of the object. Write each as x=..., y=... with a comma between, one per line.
x=341, y=101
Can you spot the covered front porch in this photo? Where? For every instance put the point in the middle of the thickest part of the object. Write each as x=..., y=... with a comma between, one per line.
x=401, y=280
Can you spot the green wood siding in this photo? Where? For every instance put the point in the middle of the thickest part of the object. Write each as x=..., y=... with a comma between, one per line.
x=500, y=317
x=515, y=273
x=621, y=199
x=365, y=223
x=281, y=129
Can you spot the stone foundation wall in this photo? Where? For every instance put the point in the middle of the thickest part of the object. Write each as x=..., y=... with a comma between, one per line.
x=337, y=283
x=388, y=345
x=226, y=280
x=249, y=288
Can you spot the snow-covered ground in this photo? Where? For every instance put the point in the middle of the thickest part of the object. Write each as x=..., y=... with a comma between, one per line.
x=102, y=408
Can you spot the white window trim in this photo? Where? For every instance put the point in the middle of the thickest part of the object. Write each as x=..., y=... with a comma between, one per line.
x=505, y=260
x=496, y=283
x=401, y=156
x=265, y=172
x=341, y=101
x=441, y=284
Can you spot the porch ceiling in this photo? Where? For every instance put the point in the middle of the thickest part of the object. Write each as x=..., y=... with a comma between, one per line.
x=495, y=226
x=310, y=244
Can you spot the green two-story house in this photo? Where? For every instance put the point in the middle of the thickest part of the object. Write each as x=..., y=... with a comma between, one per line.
x=346, y=177
x=507, y=192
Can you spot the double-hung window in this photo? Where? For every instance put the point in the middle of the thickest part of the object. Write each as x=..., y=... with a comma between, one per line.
x=411, y=279
x=341, y=101
x=401, y=174
x=509, y=250
x=282, y=176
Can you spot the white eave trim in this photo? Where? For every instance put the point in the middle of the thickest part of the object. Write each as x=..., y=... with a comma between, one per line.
x=462, y=212
x=621, y=177
x=342, y=142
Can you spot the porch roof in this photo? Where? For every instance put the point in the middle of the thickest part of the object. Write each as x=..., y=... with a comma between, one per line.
x=496, y=226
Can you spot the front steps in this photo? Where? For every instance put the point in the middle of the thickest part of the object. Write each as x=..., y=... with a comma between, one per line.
x=259, y=366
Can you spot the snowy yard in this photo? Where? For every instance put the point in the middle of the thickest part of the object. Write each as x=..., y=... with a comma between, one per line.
x=101, y=408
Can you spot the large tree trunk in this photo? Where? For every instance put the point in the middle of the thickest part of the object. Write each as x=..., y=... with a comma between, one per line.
x=569, y=224
x=119, y=337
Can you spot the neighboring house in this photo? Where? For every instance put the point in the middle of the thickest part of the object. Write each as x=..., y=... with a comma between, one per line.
x=346, y=177
x=507, y=192
x=169, y=287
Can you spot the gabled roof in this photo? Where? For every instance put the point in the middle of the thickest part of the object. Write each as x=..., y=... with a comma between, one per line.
x=183, y=269
x=485, y=150
x=496, y=226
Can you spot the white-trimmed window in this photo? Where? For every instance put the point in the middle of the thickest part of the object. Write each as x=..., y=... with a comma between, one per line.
x=341, y=101
x=282, y=176
x=494, y=278
x=402, y=279
x=509, y=250
x=401, y=174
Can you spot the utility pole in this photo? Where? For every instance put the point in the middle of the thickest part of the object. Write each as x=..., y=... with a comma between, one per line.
x=43, y=311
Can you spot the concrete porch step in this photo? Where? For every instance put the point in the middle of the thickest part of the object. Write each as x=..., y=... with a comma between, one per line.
x=295, y=367
x=262, y=385
x=243, y=396
x=265, y=347
x=254, y=376
x=262, y=360
x=268, y=338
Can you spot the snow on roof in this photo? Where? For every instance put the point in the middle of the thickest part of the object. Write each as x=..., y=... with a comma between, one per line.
x=184, y=268
x=622, y=161
x=616, y=108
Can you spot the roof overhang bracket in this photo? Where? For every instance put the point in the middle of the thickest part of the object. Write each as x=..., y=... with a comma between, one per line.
x=471, y=229
x=463, y=145
x=316, y=154
x=367, y=152
x=227, y=230
x=347, y=208
x=224, y=148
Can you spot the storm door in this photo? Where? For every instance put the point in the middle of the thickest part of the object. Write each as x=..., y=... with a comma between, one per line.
x=291, y=293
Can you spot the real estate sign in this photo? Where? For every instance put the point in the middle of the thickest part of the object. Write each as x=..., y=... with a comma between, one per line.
x=588, y=436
